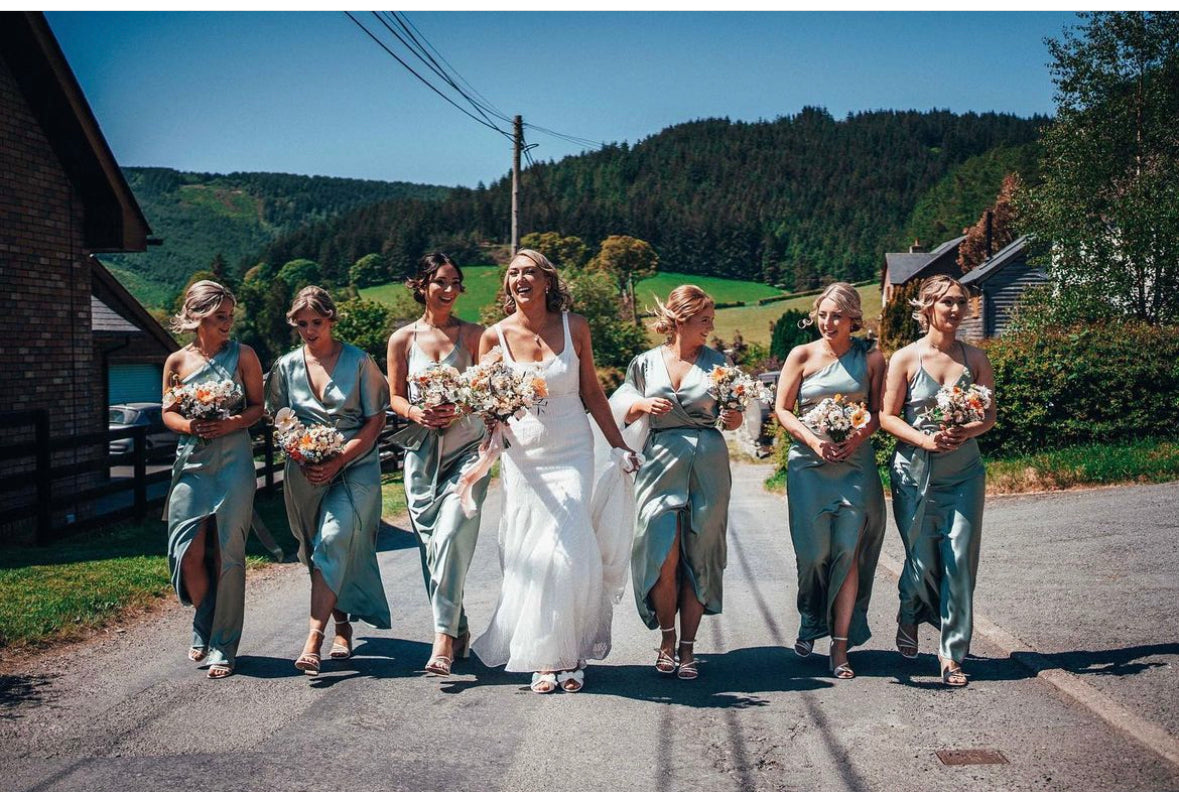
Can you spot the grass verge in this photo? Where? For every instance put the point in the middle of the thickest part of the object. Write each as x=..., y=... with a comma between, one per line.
x=1140, y=462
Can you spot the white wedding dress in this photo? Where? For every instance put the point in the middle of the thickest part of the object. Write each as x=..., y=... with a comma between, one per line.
x=554, y=609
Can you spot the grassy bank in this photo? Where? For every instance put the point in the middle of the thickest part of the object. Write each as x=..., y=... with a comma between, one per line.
x=1140, y=462
x=68, y=589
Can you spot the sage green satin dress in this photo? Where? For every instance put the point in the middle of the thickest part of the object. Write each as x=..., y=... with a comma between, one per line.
x=336, y=524
x=685, y=479
x=835, y=508
x=446, y=537
x=937, y=501
x=214, y=479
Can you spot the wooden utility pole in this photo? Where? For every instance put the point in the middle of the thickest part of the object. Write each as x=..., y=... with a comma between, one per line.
x=518, y=130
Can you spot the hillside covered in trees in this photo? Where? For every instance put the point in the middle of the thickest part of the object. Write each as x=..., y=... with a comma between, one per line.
x=199, y=216
x=783, y=202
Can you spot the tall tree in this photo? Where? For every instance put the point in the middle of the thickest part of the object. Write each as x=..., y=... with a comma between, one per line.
x=564, y=251
x=629, y=261
x=1107, y=209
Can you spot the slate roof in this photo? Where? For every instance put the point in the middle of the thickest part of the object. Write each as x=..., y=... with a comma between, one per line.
x=104, y=319
x=995, y=262
x=903, y=267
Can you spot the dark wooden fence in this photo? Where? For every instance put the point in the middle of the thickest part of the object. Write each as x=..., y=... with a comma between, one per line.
x=39, y=501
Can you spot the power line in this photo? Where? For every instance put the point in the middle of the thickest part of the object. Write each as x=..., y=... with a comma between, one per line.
x=426, y=82
x=424, y=56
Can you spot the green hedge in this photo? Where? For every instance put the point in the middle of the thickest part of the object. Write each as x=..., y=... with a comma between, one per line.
x=1110, y=383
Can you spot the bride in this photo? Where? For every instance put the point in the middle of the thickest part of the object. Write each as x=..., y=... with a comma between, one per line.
x=555, y=606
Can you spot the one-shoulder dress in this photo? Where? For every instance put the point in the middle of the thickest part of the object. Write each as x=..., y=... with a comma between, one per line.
x=336, y=524
x=214, y=478
x=937, y=501
x=836, y=508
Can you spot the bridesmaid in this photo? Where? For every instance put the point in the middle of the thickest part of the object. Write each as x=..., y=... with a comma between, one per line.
x=938, y=477
x=834, y=493
x=334, y=507
x=211, y=499
x=437, y=448
x=682, y=488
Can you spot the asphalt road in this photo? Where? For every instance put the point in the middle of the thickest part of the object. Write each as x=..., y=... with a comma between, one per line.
x=1083, y=585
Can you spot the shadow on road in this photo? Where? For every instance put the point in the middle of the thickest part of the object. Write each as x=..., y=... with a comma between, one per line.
x=728, y=681
x=373, y=658
x=1125, y=661
x=19, y=695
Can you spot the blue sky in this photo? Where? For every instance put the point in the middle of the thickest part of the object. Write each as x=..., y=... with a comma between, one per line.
x=303, y=92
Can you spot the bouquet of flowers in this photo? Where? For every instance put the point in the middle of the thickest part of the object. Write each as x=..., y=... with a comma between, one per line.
x=211, y=400
x=836, y=417
x=307, y=445
x=493, y=389
x=496, y=390
x=957, y=405
x=734, y=389
x=438, y=384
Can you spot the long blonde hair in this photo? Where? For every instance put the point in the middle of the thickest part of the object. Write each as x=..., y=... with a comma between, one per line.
x=682, y=304
x=202, y=299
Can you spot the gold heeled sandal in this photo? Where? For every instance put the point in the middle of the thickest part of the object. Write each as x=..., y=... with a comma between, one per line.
x=664, y=659
x=340, y=651
x=308, y=662
x=844, y=669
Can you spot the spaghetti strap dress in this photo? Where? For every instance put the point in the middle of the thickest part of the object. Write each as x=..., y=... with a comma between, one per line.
x=554, y=611
x=446, y=537
x=937, y=501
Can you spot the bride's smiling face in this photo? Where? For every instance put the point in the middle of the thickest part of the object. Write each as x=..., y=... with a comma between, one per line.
x=525, y=282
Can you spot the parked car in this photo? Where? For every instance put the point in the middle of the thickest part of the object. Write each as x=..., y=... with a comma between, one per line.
x=160, y=441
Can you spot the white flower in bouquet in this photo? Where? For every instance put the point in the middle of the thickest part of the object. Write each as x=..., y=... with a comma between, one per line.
x=836, y=417
x=956, y=406
x=307, y=445
x=435, y=385
x=210, y=400
x=734, y=389
x=495, y=389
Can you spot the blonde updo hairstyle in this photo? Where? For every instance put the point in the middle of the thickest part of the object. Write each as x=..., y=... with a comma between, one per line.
x=846, y=299
x=315, y=298
x=556, y=295
x=932, y=289
x=682, y=304
x=202, y=299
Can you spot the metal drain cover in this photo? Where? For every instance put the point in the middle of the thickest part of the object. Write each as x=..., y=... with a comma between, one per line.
x=971, y=756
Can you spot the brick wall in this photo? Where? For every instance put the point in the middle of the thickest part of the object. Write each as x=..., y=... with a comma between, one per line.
x=46, y=348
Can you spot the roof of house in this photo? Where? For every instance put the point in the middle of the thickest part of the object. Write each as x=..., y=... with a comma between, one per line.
x=114, y=309
x=114, y=220
x=903, y=267
x=995, y=262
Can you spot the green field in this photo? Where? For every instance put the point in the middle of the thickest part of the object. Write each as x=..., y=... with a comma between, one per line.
x=722, y=290
x=753, y=321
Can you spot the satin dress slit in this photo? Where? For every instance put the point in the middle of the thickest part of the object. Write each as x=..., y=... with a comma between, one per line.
x=684, y=483
x=214, y=481
x=836, y=509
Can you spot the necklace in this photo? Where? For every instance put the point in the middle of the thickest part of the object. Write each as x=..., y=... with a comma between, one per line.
x=675, y=356
x=527, y=329
x=200, y=351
